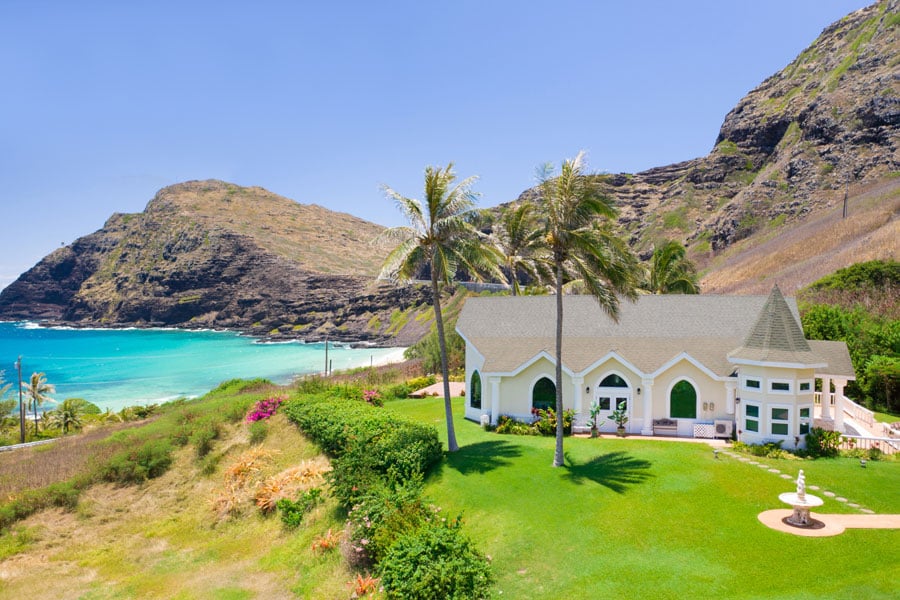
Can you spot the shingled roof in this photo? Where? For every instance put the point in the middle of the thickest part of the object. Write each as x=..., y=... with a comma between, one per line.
x=776, y=338
x=511, y=331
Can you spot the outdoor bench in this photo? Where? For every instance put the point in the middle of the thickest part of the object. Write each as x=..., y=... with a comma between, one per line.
x=665, y=427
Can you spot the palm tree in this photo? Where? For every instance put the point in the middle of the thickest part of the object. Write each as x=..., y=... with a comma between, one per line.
x=521, y=242
x=7, y=402
x=38, y=391
x=671, y=272
x=68, y=414
x=582, y=246
x=440, y=237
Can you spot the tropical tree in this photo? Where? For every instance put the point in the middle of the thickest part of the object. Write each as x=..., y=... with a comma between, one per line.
x=68, y=415
x=671, y=272
x=520, y=241
x=440, y=237
x=578, y=233
x=7, y=401
x=38, y=391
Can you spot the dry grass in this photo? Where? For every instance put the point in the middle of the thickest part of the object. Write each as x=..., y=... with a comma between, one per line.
x=239, y=479
x=159, y=540
x=322, y=240
x=328, y=541
x=67, y=457
x=821, y=245
x=291, y=482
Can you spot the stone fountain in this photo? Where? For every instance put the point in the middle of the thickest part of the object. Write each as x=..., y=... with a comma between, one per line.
x=801, y=502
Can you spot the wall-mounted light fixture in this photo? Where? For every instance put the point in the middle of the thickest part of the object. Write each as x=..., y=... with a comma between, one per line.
x=587, y=390
x=639, y=391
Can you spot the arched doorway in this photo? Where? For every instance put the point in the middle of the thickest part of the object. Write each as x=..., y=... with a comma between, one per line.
x=683, y=401
x=543, y=394
x=610, y=392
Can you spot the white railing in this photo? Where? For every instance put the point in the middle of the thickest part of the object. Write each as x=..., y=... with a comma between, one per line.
x=889, y=431
x=886, y=445
x=856, y=412
x=26, y=445
x=859, y=413
x=818, y=399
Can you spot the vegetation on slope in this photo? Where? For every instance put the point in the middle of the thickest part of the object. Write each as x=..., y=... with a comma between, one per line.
x=665, y=516
x=858, y=305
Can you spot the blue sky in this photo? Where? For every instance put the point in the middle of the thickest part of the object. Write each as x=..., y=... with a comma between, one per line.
x=104, y=103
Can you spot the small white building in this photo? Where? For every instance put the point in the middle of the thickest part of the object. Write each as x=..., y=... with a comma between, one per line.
x=686, y=365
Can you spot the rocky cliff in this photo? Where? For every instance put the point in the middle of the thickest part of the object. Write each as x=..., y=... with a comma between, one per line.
x=826, y=122
x=212, y=254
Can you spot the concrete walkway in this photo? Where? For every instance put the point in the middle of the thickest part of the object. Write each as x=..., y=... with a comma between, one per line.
x=457, y=388
x=827, y=525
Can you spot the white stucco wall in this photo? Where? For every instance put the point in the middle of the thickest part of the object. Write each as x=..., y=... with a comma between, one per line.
x=475, y=362
x=515, y=392
x=708, y=391
x=765, y=400
x=597, y=374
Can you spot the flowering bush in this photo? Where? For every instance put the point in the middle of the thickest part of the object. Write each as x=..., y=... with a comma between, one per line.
x=265, y=408
x=544, y=423
x=372, y=397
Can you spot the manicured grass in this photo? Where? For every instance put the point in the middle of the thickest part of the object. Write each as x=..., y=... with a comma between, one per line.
x=887, y=417
x=644, y=518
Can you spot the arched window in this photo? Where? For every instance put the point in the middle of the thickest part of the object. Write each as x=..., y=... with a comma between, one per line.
x=543, y=395
x=683, y=401
x=475, y=390
x=613, y=381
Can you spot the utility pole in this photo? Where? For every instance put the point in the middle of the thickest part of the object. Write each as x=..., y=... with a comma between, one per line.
x=846, y=194
x=326, y=356
x=21, y=404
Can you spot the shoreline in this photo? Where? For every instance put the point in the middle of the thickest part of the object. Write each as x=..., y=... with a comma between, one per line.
x=261, y=338
x=115, y=368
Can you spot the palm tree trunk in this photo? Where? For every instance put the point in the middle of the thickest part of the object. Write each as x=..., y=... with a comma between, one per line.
x=445, y=371
x=558, y=458
x=35, y=417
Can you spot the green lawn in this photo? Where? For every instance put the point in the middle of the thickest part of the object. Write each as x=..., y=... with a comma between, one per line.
x=886, y=417
x=643, y=518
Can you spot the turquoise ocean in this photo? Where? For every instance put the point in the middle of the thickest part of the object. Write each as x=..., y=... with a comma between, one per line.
x=114, y=368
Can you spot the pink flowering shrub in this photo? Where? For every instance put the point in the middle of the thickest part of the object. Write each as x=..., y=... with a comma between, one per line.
x=373, y=397
x=265, y=408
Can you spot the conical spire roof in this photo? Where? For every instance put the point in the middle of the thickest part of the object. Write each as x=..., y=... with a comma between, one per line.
x=776, y=338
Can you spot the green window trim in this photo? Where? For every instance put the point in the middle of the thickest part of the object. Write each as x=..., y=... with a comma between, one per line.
x=613, y=380
x=475, y=390
x=751, y=418
x=779, y=420
x=543, y=394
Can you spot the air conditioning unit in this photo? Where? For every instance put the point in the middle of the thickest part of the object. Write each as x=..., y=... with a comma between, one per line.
x=724, y=428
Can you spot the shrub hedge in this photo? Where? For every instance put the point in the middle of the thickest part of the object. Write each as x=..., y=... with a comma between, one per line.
x=366, y=443
x=378, y=460
x=435, y=561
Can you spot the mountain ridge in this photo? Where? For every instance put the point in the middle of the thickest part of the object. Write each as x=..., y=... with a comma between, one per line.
x=759, y=208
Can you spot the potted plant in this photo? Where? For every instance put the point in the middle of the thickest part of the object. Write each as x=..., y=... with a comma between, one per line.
x=595, y=410
x=620, y=419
